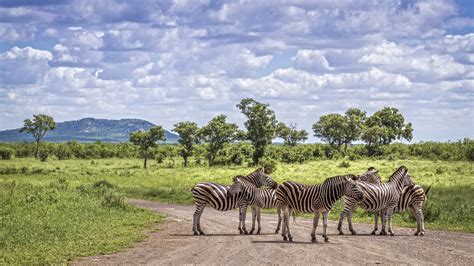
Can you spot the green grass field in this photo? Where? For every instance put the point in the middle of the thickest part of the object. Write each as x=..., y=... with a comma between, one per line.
x=450, y=204
x=54, y=221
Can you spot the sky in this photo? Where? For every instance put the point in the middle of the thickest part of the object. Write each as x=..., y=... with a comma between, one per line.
x=172, y=61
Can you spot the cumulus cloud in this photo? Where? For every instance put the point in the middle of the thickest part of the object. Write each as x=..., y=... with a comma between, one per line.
x=196, y=59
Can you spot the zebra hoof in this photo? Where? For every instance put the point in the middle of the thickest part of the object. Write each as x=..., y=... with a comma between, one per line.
x=353, y=232
x=195, y=233
x=284, y=238
x=326, y=239
x=422, y=233
x=416, y=233
x=290, y=239
x=276, y=231
x=374, y=232
x=313, y=239
x=341, y=233
x=251, y=232
x=383, y=233
x=241, y=232
x=246, y=232
x=258, y=232
x=202, y=233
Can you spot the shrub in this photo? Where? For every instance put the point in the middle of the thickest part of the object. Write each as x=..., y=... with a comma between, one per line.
x=270, y=165
x=6, y=153
x=43, y=155
x=344, y=164
x=63, y=152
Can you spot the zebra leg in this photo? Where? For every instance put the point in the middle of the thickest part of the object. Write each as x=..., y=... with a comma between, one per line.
x=254, y=214
x=422, y=222
x=414, y=212
x=389, y=220
x=376, y=223
x=315, y=224
x=341, y=220
x=325, y=225
x=258, y=221
x=197, y=219
x=242, y=216
x=285, y=227
x=349, y=222
x=279, y=220
x=383, y=215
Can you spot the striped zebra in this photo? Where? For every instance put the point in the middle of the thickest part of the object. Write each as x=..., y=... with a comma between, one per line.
x=315, y=199
x=411, y=198
x=269, y=200
x=378, y=197
x=257, y=198
x=217, y=196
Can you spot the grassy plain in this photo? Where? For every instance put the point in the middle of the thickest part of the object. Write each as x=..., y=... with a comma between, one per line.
x=450, y=204
x=53, y=221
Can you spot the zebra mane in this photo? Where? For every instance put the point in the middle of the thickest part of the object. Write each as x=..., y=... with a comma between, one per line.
x=401, y=171
x=339, y=178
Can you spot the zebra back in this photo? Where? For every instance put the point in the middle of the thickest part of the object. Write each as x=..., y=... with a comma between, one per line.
x=412, y=196
x=308, y=198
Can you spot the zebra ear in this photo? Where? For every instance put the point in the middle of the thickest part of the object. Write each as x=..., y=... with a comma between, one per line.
x=261, y=169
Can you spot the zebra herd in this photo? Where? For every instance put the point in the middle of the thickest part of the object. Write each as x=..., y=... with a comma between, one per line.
x=259, y=191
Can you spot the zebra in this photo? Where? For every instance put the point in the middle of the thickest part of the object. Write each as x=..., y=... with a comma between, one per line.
x=218, y=197
x=256, y=197
x=315, y=199
x=411, y=198
x=378, y=197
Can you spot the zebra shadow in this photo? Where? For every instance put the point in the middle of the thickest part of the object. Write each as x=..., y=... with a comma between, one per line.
x=220, y=234
x=368, y=235
x=283, y=242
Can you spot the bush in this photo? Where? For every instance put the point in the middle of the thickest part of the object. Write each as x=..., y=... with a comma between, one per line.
x=344, y=164
x=43, y=155
x=6, y=153
x=270, y=165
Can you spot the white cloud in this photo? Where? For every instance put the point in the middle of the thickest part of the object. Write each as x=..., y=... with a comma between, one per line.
x=311, y=60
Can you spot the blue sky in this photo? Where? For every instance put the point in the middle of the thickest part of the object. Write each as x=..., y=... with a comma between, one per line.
x=170, y=61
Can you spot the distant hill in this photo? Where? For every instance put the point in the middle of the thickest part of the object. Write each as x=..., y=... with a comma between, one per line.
x=88, y=130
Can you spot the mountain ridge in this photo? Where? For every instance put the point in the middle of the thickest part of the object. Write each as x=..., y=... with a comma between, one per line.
x=89, y=129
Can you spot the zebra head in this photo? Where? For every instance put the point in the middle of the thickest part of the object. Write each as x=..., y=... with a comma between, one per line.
x=352, y=189
x=260, y=178
x=402, y=177
x=237, y=185
x=371, y=176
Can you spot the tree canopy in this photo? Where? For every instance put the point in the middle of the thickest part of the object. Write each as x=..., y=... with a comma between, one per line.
x=216, y=134
x=38, y=127
x=261, y=125
x=188, y=136
x=290, y=135
x=147, y=139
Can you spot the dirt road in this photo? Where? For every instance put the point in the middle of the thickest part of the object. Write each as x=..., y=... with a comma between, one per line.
x=175, y=244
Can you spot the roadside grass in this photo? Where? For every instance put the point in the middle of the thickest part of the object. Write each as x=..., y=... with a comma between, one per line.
x=450, y=204
x=53, y=222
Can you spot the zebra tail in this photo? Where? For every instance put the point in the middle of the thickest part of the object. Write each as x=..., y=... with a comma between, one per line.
x=427, y=190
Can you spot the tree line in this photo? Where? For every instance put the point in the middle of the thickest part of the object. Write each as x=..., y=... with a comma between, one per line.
x=261, y=127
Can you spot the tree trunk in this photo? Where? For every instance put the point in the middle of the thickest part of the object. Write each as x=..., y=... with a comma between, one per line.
x=185, y=161
x=345, y=148
x=37, y=149
x=144, y=163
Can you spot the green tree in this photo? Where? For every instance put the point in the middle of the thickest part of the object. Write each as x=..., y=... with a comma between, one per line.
x=147, y=139
x=383, y=127
x=332, y=129
x=216, y=134
x=261, y=125
x=188, y=136
x=355, y=119
x=290, y=135
x=38, y=127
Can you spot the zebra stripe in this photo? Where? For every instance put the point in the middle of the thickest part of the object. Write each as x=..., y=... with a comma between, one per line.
x=314, y=199
x=378, y=197
x=258, y=198
x=217, y=196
